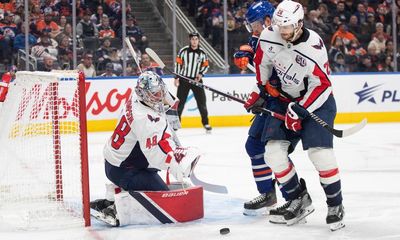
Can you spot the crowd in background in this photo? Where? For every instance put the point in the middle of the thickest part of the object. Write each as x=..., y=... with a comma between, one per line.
x=98, y=29
x=357, y=33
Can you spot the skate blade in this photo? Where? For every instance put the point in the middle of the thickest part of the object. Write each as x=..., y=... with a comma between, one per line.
x=307, y=211
x=264, y=211
x=281, y=220
x=106, y=219
x=336, y=226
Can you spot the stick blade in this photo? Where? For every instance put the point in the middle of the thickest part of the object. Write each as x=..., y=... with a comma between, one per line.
x=208, y=186
x=155, y=57
x=355, y=128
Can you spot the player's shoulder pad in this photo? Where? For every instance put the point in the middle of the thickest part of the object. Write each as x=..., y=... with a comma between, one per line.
x=271, y=34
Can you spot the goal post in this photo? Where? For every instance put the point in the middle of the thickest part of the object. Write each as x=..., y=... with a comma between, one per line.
x=44, y=176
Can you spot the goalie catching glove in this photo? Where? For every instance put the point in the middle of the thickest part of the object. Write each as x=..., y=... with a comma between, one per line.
x=182, y=162
x=294, y=115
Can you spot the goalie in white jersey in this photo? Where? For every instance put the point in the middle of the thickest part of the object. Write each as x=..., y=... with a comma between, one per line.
x=142, y=144
x=300, y=59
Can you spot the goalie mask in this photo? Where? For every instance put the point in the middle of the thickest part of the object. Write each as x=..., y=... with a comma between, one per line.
x=151, y=90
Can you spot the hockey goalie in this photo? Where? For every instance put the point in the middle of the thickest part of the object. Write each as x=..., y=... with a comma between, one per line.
x=143, y=143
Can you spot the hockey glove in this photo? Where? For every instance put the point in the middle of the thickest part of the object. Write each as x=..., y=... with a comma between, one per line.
x=255, y=101
x=243, y=57
x=294, y=115
x=175, y=169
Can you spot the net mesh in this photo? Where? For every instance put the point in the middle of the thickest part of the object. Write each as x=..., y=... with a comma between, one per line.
x=40, y=173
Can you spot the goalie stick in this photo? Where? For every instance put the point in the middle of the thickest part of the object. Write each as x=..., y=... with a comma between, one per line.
x=208, y=186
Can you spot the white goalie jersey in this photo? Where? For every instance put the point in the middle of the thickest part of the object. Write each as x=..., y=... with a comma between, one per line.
x=302, y=66
x=142, y=138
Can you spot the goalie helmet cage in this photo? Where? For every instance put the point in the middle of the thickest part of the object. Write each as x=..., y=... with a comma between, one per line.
x=44, y=179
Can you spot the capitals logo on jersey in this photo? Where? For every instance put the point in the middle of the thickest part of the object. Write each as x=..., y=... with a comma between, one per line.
x=153, y=119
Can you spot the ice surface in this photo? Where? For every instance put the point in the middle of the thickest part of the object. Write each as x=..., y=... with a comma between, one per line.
x=369, y=166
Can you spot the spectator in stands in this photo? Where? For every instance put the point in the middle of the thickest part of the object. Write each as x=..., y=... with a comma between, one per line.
x=316, y=23
x=209, y=8
x=64, y=49
x=370, y=23
x=382, y=15
x=87, y=66
x=48, y=63
x=68, y=31
x=134, y=33
x=341, y=12
x=379, y=42
x=36, y=13
x=339, y=64
x=96, y=17
x=323, y=13
x=64, y=8
x=344, y=34
x=116, y=61
x=102, y=54
x=366, y=65
x=361, y=13
x=337, y=47
x=62, y=22
x=8, y=31
x=379, y=29
x=109, y=71
x=19, y=13
x=388, y=65
x=147, y=65
x=354, y=26
x=48, y=43
x=85, y=28
x=48, y=24
x=19, y=40
x=105, y=31
x=353, y=54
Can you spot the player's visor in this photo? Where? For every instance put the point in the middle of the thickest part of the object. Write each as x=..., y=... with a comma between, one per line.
x=251, y=27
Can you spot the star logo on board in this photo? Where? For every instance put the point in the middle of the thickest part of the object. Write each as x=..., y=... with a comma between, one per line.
x=366, y=94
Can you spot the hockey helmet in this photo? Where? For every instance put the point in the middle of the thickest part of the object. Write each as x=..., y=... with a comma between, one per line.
x=288, y=13
x=151, y=90
x=258, y=11
x=289, y=16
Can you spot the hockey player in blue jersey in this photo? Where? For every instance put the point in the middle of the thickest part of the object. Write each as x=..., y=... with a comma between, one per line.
x=299, y=58
x=258, y=17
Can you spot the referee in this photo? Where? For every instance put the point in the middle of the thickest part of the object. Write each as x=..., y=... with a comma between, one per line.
x=192, y=62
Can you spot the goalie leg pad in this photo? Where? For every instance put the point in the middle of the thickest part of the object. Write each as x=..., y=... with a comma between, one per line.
x=154, y=207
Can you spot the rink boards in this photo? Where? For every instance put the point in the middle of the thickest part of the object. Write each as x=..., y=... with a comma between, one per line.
x=358, y=96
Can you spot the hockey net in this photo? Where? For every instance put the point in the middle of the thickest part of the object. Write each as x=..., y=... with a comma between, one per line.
x=43, y=152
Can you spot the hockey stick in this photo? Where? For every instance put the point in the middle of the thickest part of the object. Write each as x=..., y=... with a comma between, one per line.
x=133, y=53
x=208, y=186
x=335, y=132
x=155, y=57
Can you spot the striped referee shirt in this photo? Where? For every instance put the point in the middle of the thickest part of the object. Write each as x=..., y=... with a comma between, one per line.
x=190, y=62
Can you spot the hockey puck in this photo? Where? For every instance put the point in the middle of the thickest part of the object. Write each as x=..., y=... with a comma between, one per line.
x=224, y=231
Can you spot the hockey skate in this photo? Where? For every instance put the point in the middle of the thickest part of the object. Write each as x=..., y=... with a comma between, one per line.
x=100, y=204
x=208, y=128
x=104, y=211
x=335, y=217
x=300, y=207
x=261, y=204
x=276, y=215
